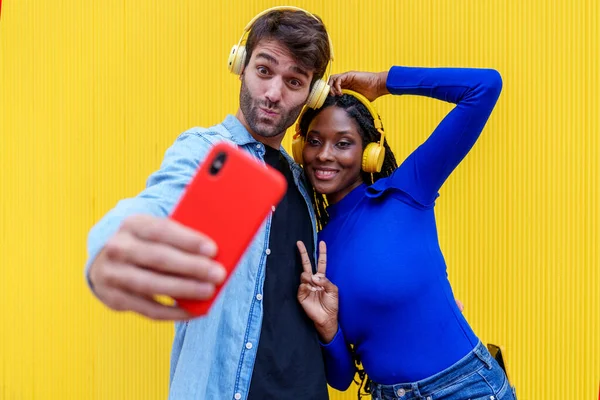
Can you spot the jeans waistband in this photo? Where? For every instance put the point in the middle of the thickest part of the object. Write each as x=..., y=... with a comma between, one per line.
x=477, y=358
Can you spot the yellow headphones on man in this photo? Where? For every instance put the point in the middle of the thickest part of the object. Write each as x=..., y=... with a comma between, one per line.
x=237, y=59
x=374, y=153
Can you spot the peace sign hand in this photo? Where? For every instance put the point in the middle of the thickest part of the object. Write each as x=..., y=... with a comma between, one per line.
x=317, y=294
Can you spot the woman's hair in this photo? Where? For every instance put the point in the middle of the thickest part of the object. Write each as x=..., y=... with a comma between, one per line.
x=366, y=128
x=364, y=383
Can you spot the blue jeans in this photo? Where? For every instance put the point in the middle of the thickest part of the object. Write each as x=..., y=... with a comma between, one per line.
x=477, y=376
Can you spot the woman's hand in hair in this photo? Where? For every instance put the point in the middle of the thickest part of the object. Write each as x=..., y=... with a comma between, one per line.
x=318, y=295
x=370, y=84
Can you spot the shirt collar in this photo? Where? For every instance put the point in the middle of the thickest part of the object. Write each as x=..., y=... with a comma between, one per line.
x=346, y=204
x=239, y=133
x=241, y=136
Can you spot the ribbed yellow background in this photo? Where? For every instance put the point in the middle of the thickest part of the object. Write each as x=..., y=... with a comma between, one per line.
x=93, y=92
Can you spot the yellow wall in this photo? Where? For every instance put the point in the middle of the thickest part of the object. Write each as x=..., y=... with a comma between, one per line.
x=93, y=92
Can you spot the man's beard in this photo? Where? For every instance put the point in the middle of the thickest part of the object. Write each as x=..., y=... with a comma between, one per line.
x=250, y=109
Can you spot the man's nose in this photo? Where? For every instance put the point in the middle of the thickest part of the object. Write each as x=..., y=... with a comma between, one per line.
x=274, y=90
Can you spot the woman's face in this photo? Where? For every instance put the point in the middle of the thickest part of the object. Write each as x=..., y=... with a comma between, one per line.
x=333, y=154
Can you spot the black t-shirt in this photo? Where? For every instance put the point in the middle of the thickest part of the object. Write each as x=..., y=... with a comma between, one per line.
x=289, y=363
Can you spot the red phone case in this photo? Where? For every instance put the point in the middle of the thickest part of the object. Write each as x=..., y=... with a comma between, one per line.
x=228, y=207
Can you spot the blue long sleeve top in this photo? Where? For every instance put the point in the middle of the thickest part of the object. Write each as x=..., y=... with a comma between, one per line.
x=396, y=305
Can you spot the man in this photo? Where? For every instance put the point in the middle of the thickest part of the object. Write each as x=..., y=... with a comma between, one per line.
x=136, y=253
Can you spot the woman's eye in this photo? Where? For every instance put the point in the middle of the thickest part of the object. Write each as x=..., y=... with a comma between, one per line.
x=344, y=144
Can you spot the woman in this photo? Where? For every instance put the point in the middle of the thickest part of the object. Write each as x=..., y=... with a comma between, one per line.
x=396, y=313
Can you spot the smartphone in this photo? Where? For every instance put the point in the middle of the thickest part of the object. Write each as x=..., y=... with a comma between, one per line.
x=228, y=199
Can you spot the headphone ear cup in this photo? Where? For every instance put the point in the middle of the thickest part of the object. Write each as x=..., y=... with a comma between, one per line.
x=297, y=147
x=236, y=60
x=318, y=94
x=373, y=157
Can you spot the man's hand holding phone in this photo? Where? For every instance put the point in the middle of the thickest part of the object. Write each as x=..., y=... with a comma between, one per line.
x=150, y=257
x=223, y=206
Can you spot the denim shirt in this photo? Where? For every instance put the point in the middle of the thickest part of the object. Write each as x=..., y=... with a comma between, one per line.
x=212, y=356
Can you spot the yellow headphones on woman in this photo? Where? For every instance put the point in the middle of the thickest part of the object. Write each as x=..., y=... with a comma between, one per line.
x=237, y=59
x=374, y=153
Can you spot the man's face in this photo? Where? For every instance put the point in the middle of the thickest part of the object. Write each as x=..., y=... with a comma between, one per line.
x=274, y=90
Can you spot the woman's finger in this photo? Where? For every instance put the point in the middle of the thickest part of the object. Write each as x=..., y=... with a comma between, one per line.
x=306, y=265
x=322, y=261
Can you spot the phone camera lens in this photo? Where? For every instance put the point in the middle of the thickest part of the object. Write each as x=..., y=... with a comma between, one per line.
x=218, y=163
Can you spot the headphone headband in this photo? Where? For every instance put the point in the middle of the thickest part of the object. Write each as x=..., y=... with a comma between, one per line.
x=370, y=107
x=283, y=8
x=365, y=102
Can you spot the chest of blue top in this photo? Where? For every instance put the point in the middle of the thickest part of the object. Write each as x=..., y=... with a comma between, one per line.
x=383, y=255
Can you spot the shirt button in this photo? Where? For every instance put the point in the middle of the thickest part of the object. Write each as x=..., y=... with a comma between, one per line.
x=248, y=345
x=259, y=297
x=237, y=396
x=273, y=208
x=401, y=392
x=258, y=147
x=268, y=251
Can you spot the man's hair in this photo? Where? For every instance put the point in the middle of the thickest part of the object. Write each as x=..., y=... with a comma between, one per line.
x=368, y=133
x=304, y=36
